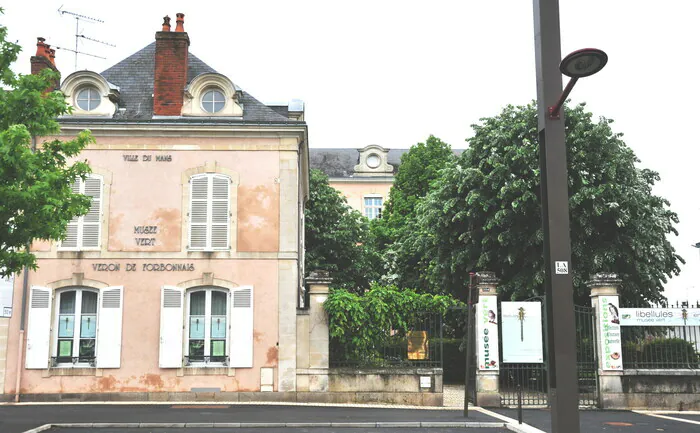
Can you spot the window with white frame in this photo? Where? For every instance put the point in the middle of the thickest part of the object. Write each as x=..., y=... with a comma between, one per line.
x=209, y=216
x=206, y=327
x=373, y=207
x=76, y=327
x=84, y=232
x=84, y=329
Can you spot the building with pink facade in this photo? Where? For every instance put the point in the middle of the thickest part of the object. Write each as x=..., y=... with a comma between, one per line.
x=185, y=275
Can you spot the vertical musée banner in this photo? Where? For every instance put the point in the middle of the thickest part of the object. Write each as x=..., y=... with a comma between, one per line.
x=6, y=285
x=521, y=323
x=487, y=333
x=610, y=334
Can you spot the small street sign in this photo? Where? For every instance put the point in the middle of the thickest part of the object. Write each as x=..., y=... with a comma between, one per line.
x=562, y=268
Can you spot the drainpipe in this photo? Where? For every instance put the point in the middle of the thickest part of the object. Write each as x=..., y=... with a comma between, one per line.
x=23, y=315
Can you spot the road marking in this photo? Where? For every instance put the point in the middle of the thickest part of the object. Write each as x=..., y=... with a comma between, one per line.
x=689, y=421
x=511, y=424
x=199, y=406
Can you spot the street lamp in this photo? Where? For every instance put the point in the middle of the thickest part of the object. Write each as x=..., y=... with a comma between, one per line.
x=561, y=325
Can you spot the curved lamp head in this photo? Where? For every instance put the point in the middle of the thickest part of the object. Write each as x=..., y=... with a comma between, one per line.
x=583, y=63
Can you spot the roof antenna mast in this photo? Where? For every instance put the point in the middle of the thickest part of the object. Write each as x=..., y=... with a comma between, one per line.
x=78, y=35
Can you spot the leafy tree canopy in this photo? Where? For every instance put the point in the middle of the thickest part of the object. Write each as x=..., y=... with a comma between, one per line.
x=419, y=167
x=484, y=211
x=336, y=237
x=36, y=201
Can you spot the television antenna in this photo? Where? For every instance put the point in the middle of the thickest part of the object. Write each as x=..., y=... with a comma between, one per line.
x=78, y=35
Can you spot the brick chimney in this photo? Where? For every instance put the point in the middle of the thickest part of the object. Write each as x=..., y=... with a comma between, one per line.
x=170, y=75
x=44, y=58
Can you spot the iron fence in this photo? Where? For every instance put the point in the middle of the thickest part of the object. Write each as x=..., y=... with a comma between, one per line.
x=418, y=345
x=661, y=347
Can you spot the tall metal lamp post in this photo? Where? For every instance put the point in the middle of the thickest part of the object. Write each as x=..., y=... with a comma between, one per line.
x=561, y=326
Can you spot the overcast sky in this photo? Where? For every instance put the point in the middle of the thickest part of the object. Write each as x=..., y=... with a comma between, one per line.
x=392, y=72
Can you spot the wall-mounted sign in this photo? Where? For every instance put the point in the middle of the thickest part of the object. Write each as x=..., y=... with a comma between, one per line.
x=610, y=332
x=660, y=316
x=145, y=267
x=487, y=333
x=6, y=285
x=521, y=325
x=417, y=344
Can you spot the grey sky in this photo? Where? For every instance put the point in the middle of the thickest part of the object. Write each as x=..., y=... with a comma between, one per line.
x=391, y=72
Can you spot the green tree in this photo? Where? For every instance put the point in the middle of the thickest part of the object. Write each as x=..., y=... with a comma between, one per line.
x=36, y=200
x=484, y=212
x=336, y=237
x=419, y=167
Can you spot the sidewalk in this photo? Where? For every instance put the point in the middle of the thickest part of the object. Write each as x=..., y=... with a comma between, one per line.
x=20, y=418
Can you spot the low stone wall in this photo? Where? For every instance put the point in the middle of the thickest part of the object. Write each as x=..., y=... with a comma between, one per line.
x=655, y=389
x=387, y=386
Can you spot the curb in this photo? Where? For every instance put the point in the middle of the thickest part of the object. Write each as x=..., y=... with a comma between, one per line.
x=379, y=424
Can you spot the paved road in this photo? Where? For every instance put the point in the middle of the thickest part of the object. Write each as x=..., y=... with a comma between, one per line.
x=610, y=421
x=17, y=419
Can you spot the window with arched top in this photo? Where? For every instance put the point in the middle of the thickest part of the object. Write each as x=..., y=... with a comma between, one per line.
x=74, y=327
x=206, y=326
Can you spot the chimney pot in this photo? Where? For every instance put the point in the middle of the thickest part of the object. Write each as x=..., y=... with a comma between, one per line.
x=47, y=51
x=166, y=23
x=52, y=56
x=40, y=46
x=180, y=22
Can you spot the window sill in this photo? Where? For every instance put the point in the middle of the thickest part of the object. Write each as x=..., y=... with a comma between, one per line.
x=72, y=371
x=208, y=370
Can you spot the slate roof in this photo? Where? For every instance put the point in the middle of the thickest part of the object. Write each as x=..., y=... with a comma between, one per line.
x=341, y=162
x=134, y=76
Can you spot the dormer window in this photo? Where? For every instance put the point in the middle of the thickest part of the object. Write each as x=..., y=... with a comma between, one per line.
x=90, y=94
x=88, y=99
x=213, y=101
x=373, y=161
x=212, y=95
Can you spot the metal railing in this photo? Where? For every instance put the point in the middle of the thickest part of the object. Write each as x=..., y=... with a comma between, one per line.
x=420, y=345
x=661, y=347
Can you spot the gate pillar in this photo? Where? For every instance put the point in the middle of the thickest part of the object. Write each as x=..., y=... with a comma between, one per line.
x=488, y=360
x=605, y=286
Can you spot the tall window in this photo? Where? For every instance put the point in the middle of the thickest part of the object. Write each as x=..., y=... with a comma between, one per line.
x=209, y=212
x=76, y=327
x=373, y=207
x=84, y=232
x=207, y=326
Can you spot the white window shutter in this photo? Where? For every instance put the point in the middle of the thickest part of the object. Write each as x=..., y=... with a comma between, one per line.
x=241, y=332
x=92, y=220
x=221, y=186
x=171, y=321
x=109, y=329
x=39, y=328
x=199, y=216
x=71, y=240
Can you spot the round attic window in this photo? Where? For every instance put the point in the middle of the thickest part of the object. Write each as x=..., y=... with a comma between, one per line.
x=373, y=161
x=88, y=99
x=213, y=101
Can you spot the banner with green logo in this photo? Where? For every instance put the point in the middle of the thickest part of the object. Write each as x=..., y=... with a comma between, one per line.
x=610, y=332
x=487, y=333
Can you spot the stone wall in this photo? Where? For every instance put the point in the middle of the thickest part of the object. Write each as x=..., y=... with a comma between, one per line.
x=655, y=389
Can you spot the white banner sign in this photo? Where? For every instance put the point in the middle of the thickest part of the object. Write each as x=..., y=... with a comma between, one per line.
x=610, y=332
x=521, y=325
x=660, y=316
x=6, y=296
x=487, y=333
